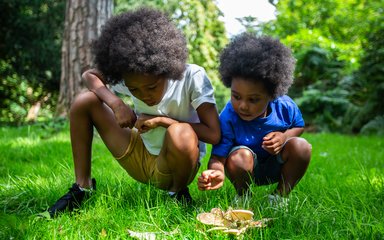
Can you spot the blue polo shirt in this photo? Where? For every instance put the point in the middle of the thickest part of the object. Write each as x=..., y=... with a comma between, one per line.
x=283, y=114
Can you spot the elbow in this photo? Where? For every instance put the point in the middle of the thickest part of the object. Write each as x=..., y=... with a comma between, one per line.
x=85, y=76
x=91, y=77
x=216, y=137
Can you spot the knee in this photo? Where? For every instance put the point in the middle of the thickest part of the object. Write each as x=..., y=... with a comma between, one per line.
x=300, y=148
x=84, y=101
x=241, y=159
x=182, y=136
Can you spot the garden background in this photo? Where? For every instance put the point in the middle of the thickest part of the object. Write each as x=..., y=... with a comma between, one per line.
x=339, y=84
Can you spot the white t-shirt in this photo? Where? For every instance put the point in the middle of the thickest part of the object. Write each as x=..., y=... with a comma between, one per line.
x=180, y=101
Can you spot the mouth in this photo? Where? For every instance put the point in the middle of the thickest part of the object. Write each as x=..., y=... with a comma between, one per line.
x=245, y=115
x=150, y=102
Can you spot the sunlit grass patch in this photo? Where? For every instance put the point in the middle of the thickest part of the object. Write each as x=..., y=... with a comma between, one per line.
x=340, y=197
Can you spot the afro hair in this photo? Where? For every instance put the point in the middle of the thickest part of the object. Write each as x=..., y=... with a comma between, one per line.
x=140, y=41
x=261, y=59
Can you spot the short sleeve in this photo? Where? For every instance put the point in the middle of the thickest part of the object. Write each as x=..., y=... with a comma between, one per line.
x=298, y=120
x=292, y=112
x=200, y=87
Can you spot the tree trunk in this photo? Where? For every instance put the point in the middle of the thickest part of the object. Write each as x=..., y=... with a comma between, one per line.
x=83, y=22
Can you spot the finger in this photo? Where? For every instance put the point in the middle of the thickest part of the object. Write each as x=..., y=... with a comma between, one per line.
x=203, y=186
x=202, y=180
x=268, y=143
x=268, y=136
x=206, y=173
x=278, y=149
x=214, y=174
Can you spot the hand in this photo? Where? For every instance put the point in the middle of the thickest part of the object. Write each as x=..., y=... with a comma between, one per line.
x=124, y=115
x=146, y=122
x=274, y=142
x=210, y=180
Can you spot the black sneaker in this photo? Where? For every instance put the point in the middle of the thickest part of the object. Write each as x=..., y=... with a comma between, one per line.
x=71, y=200
x=183, y=196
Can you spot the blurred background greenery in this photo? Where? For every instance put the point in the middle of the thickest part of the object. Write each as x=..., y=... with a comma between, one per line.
x=338, y=44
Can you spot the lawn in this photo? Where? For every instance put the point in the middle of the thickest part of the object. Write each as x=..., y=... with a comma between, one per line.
x=340, y=197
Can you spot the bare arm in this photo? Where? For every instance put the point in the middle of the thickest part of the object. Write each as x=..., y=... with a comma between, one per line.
x=94, y=81
x=208, y=130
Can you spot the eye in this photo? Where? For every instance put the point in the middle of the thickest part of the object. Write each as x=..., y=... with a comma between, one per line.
x=152, y=87
x=254, y=100
x=237, y=97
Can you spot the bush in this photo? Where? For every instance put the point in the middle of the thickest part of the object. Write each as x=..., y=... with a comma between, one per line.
x=324, y=109
x=375, y=126
x=17, y=95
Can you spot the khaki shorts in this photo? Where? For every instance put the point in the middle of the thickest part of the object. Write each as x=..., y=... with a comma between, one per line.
x=142, y=165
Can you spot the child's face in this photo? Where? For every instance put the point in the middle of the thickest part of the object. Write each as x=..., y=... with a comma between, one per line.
x=148, y=88
x=249, y=99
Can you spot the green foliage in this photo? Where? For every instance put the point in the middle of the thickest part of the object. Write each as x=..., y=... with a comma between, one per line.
x=336, y=26
x=330, y=41
x=324, y=109
x=374, y=127
x=31, y=39
x=315, y=64
x=222, y=94
x=320, y=89
x=17, y=95
x=29, y=55
x=367, y=87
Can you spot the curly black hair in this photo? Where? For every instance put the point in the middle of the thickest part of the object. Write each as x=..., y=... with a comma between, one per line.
x=140, y=41
x=261, y=59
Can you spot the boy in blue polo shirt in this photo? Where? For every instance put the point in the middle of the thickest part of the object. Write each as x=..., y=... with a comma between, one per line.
x=260, y=125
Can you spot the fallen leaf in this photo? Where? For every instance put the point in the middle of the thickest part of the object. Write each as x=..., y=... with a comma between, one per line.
x=231, y=221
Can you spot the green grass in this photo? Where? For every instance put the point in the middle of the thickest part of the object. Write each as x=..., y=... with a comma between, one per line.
x=340, y=197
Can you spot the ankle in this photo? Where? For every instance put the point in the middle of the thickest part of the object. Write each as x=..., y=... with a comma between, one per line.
x=85, y=184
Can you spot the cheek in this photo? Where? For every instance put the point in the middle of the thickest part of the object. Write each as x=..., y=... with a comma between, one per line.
x=257, y=109
x=157, y=95
x=235, y=106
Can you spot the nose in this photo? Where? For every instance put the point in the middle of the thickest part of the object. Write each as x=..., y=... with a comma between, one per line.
x=143, y=95
x=243, y=106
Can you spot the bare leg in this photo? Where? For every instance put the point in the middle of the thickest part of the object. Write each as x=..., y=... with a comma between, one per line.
x=239, y=168
x=296, y=154
x=88, y=111
x=179, y=155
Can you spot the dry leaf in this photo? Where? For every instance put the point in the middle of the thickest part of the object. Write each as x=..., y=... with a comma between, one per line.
x=231, y=221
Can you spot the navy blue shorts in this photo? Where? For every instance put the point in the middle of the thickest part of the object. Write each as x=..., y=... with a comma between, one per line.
x=265, y=171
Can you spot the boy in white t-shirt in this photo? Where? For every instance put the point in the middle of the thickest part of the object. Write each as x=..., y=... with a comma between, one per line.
x=143, y=55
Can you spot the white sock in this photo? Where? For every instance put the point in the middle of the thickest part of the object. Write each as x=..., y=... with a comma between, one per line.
x=171, y=194
x=90, y=189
